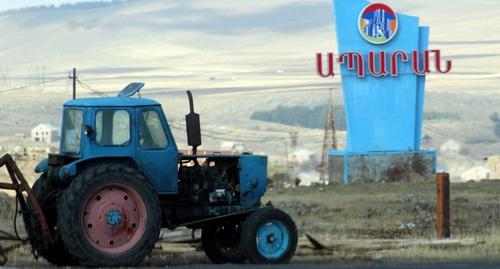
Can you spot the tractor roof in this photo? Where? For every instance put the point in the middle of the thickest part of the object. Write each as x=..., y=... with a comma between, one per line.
x=110, y=101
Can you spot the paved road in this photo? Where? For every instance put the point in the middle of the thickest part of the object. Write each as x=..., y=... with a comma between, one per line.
x=351, y=265
x=356, y=265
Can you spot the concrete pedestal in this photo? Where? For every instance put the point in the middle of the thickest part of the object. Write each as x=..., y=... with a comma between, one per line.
x=348, y=167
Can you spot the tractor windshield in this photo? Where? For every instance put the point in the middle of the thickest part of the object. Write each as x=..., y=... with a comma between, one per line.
x=72, y=130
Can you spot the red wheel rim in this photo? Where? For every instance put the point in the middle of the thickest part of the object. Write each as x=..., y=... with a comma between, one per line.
x=114, y=218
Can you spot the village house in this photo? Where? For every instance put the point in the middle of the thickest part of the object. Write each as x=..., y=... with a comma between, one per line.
x=476, y=173
x=450, y=147
x=301, y=156
x=427, y=142
x=232, y=146
x=493, y=164
x=45, y=133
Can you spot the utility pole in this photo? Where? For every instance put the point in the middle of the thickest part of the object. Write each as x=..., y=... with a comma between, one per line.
x=36, y=79
x=74, y=78
x=43, y=76
x=329, y=139
x=294, y=138
x=286, y=161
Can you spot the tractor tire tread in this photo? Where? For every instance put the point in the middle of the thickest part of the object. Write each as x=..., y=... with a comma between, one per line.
x=67, y=205
x=249, y=230
x=216, y=255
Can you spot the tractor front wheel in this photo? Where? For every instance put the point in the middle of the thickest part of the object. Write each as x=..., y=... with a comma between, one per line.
x=269, y=236
x=109, y=216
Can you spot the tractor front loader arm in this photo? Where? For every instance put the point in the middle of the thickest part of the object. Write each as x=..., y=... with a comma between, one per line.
x=19, y=185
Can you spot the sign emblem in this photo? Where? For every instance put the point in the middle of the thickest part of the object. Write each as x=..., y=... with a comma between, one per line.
x=378, y=23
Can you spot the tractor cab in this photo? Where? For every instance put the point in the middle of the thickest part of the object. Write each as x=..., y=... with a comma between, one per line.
x=122, y=128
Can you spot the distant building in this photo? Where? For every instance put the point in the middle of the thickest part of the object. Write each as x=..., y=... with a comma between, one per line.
x=301, y=156
x=232, y=146
x=209, y=152
x=450, y=147
x=476, y=173
x=493, y=163
x=20, y=136
x=45, y=133
x=427, y=142
x=307, y=179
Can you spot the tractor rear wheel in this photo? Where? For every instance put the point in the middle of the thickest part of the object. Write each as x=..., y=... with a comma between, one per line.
x=222, y=243
x=47, y=195
x=269, y=236
x=110, y=215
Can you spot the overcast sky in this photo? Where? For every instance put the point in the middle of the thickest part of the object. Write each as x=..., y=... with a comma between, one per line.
x=11, y=4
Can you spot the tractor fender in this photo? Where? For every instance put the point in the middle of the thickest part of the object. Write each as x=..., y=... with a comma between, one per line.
x=72, y=169
x=42, y=166
x=68, y=170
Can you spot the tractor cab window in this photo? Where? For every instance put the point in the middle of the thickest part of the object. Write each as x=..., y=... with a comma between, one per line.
x=151, y=132
x=112, y=127
x=72, y=130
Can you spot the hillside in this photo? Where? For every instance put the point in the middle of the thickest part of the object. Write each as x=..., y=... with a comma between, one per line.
x=213, y=44
x=238, y=58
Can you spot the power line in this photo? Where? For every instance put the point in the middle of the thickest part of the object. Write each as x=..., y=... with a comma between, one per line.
x=243, y=138
x=461, y=138
x=88, y=87
x=238, y=138
x=32, y=85
x=217, y=132
x=256, y=137
x=81, y=83
x=446, y=134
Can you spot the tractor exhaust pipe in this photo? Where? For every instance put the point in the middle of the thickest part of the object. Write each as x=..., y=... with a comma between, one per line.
x=193, y=126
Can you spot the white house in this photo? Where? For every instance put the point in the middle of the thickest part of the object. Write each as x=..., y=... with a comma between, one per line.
x=493, y=163
x=476, y=173
x=45, y=133
x=451, y=147
x=301, y=156
x=232, y=146
x=427, y=142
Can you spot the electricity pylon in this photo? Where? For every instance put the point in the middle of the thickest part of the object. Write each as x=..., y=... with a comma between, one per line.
x=329, y=139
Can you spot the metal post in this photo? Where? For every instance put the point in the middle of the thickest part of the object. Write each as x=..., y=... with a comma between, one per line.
x=3, y=257
x=443, y=205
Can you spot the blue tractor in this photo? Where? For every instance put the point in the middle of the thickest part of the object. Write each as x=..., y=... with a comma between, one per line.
x=119, y=178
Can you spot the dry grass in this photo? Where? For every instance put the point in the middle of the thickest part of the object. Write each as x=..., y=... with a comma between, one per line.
x=356, y=214
x=402, y=210
x=487, y=251
x=389, y=210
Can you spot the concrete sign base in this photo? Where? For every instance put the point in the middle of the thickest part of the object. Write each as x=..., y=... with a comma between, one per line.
x=349, y=167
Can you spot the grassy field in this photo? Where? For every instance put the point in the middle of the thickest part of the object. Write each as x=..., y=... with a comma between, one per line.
x=358, y=215
x=389, y=210
x=404, y=210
